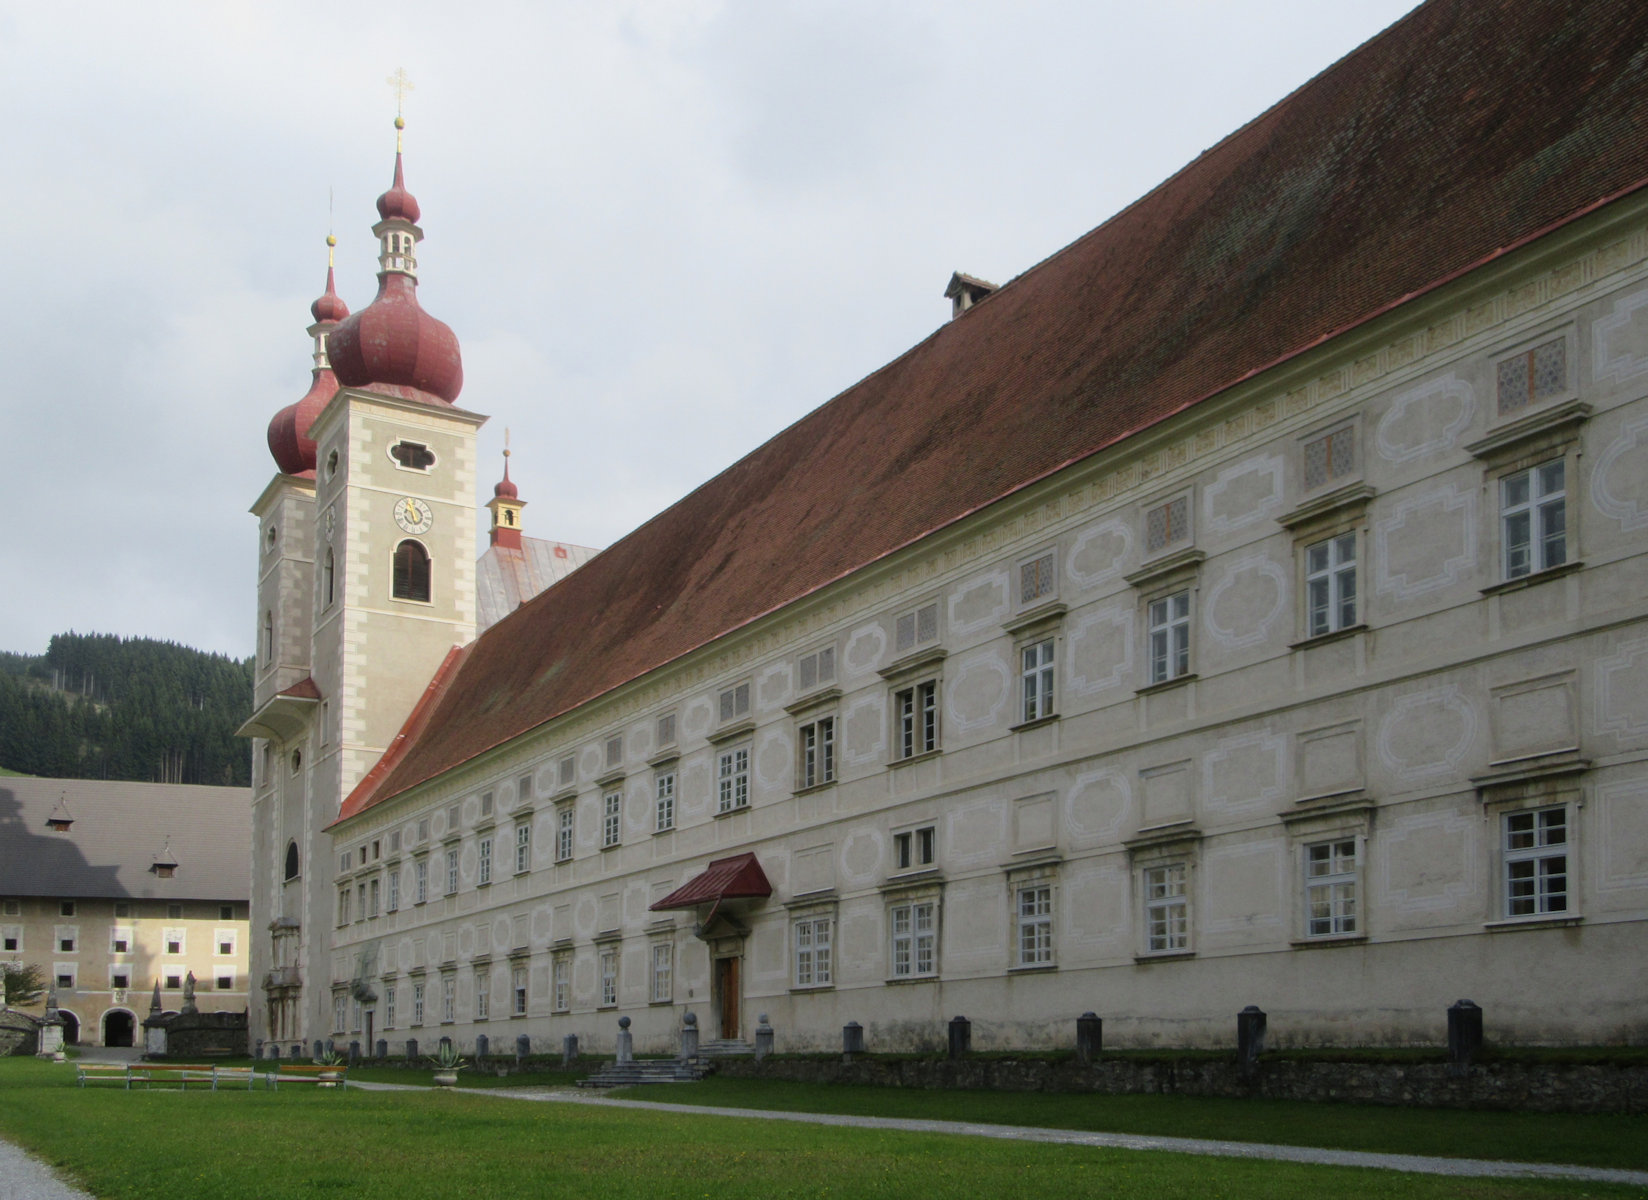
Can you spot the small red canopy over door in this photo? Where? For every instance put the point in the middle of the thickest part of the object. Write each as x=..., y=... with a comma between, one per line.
x=738, y=877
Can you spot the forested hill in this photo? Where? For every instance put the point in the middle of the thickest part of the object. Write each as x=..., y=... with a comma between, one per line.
x=96, y=706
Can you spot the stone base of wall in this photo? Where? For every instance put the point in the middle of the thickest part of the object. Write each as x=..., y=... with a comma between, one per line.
x=206, y=1035
x=1529, y=1087
x=19, y=1033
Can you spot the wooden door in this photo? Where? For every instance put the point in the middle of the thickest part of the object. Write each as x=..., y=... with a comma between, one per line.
x=726, y=986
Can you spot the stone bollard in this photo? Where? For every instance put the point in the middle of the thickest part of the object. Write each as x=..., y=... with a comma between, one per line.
x=1250, y=1037
x=569, y=1049
x=763, y=1038
x=331, y=1046
x=320, y=1048
x=257, y=1051
x=852, y=1040
x=689, y=1037
x=411, y=1049
x=274, y=1049
x=483, y=1046
x=354, y=1052
x=626, y=1042
x=961, y=1036
x=445, y=1045
x=382, y=1048
x=523, y=1047
x=1089, y=1037
x=1464, y=1035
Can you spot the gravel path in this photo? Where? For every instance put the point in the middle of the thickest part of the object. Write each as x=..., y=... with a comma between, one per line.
x=24, y=1177
x=1419, y=1164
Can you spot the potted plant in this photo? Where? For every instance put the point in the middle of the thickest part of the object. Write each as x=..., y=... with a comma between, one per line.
x=329, y=1078
x=447, y=1064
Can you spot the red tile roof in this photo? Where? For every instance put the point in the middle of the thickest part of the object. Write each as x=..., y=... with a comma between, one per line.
x=1466, y=129
x=735, y=878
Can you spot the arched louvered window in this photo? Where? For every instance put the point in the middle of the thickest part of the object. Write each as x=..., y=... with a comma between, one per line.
x=291, y=860
x=411, y=571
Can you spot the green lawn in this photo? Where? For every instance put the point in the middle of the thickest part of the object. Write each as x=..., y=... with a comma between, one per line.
x=407, y=1146
x=1604, y=1141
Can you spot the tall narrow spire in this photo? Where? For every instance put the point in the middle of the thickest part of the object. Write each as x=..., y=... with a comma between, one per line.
x=506, y=506
x=289, y=439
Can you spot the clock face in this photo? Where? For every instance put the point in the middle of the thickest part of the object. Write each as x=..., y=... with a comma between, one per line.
x=412, y=515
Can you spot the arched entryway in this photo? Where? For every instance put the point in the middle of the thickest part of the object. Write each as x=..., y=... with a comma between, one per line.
x=71, y=1027
x=119, y=1027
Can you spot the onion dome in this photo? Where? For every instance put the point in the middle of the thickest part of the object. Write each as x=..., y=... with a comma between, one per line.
x=505, y=488
x=289, y=440
x=392, y=346
x=506, y=505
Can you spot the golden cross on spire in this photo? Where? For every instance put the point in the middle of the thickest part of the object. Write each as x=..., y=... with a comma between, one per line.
x=402, y=83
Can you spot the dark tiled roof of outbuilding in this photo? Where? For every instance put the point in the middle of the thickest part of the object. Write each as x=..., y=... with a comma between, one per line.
x=1467, y=128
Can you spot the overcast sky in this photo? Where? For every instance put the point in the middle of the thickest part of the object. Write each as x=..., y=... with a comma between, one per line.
x=662, y=232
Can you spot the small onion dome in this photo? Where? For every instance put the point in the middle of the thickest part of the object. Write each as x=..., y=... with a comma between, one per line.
x=505, y=489
x=397, y=201
x=330, y=307
x=289, y=439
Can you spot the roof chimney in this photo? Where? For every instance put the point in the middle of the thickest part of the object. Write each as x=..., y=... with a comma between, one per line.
x=965, y=291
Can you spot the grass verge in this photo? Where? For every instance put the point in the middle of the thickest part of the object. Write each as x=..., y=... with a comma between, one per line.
x=1602, y=1140
x=416, y=1145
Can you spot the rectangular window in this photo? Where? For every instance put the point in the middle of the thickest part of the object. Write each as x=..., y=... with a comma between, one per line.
x=663, y=972
x=420, y=881
x=1167, y=524
x=1330, y=584
x=1536, y=861
x=66, y=908
x=65, y=981
x=449, y=998
x=340, y=1011
x=483, y=995
x=523, y=789
x=1532, y=376
x=395, y=842
x=915, y=848
x=225, y=983
x=483, y=868
x=451, y=870
x=517, y=985
x=817, y=752
x=343, y=905
x=65, y=945
x=225, y=939
x=666, y=729
x=609, y=976
x=174, y=981
x=917, y=714
x=563, y=833
x=917, y=628
x=915, y=940
x=733, y=779
x=1036, y=675
x=360, y=902
x=612, y=818
x=1036, y=579
x=1035, y=925
x=120, y=940
x=225, y=912
x=1330, y=888
x=423, y=830
x=1329, y=457
x=1170, y=637
x=813, y=967
x=523, y=847
x=1533, y=518
x=664, y=792
x=816, y=668
x=417, y=1004
x=1166, y=909
x=120, y=979
x=393, y=901
x=372, y=899
x=735, y=702
x=561, y=974
x=12, y=939
x=568, y=771
x=486, y=804
x=389, y=1006
x=615, y=751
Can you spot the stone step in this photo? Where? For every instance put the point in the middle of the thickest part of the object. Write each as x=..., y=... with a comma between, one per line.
x=647, y=1070
x=725, y=1048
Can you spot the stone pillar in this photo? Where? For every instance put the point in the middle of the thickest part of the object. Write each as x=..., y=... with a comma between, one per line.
x=1464, y=1035
x=852, y=1040
x=354, y=1052
x=382, y=1048
x=569, y=1049
x=626, y=1042
x=523, y=1047
x=257, y=1050
x=320, y=1049
x=483, y=1047
x=51, y=1029
x=763, y=1038
x=411, y=1049
x=1250, y=1037
x=689, y=1037
x=274, y=1050
x=961, y=1036
x=1089, y=1037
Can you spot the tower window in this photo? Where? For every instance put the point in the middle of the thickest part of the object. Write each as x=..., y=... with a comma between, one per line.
x=291, y=860
x=411, y=572
x=328, y=577
x=414, y=456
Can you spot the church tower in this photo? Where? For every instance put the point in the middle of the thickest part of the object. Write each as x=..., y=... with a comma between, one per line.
x=366, y=582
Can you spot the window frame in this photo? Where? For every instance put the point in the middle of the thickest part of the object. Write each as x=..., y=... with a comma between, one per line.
x=661, y=979
x=397, y=585
x=663, y=799
x=909, y=905
x=1535, y=509
x=732, y=778
x=812, y=961
x=565, y=829
x=1549, y=432
x=1177, y=844
x=817, y=751
x=612, y=818
x=606, y=974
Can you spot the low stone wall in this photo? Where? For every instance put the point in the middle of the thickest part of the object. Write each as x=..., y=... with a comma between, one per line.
x=1525, y=1086
x=206, y=1035
x=19, y=1033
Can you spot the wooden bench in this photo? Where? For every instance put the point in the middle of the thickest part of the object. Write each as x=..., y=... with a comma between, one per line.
x=88, y=1073
x=291, y=1074
x=180, y=1074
